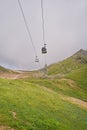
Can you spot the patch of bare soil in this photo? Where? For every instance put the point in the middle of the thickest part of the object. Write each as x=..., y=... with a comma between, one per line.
x=6, y=128
x=72, y=84
x=48, y=89
x=13, y=76
x=14, y=115
x=20, y=74
x=78, y=102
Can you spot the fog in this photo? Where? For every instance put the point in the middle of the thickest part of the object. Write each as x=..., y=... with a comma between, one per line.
x=65, y=31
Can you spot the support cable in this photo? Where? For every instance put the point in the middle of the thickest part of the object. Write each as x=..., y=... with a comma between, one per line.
x=27, y=27
x=43, y=28
x=43, y=21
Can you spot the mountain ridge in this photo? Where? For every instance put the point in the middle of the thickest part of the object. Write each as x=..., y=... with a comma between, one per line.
x=76, y=61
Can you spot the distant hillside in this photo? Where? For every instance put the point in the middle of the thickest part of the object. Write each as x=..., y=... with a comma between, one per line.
x=2, y=69
x=76, y=61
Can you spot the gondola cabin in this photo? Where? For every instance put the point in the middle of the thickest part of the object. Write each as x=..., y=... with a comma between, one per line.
x=36, y=60
x=44, y=50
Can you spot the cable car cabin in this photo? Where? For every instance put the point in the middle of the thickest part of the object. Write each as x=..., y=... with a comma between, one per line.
x=36, y=60
x=44, y=50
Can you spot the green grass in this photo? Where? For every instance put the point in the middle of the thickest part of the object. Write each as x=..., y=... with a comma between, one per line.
x=62, y=86
x=64, y=67
x=74, y=62
x=2, y=69
x=5, y=70
x=38, y=106
x=80, y=77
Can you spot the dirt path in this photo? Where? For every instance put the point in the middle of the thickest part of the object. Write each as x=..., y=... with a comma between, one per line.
x=72, y=100
x=76, y=101
x=82, y=104
x=9, y=76
x=20, y=74
x=13, y=76
x=6, y=128
x=72, y=84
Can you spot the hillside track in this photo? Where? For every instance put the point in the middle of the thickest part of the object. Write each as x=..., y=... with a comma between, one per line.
x=6, y=128
x=80, y=103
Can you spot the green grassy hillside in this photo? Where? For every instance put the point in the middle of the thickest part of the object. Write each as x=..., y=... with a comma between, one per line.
x=79, y=76
x=5, y=70
x=7, y=73
x=72, y=63
x=52, y=103
x=2, y=69
x=41, y=104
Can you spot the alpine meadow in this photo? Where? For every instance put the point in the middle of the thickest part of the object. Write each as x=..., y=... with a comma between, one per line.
x=57, y=101
x=43, y=64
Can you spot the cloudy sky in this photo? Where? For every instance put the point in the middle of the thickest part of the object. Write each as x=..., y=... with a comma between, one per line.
x=65, y=31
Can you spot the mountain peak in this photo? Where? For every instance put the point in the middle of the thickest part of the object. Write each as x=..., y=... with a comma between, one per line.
x=81, y=56
x=82, y=52
x=76, y=61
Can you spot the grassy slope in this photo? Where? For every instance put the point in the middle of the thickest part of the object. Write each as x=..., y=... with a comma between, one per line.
x=74, y=62
x=64, y=67
x=63, y=86
x=79, y=76
x=74, y=68
x=5, y=70
x=37, y=102
x=2, y=69
x=38, y=106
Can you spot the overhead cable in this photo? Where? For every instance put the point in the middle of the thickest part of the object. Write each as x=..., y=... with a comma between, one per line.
x=44, y=50
x=43, y=21
x=27, y=27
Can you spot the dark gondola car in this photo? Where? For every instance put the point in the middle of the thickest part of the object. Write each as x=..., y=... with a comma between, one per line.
x=36, y=60
x=44, y=50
